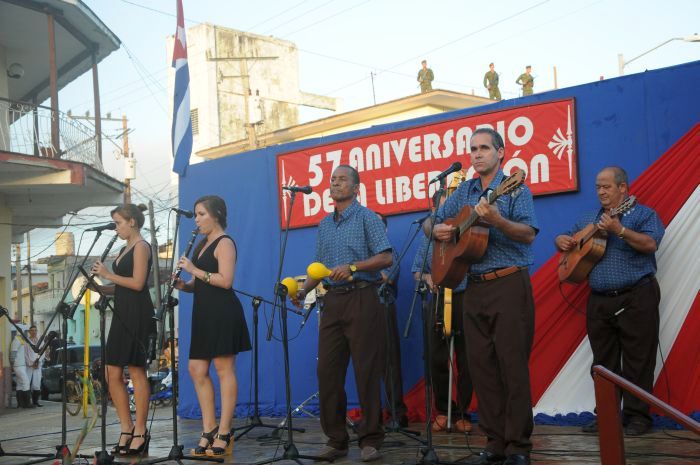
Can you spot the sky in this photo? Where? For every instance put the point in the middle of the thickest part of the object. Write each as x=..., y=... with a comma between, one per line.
x=347, y=46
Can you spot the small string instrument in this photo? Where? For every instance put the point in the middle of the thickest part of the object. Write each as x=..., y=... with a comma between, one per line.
x=576, y=264
x=446, y=319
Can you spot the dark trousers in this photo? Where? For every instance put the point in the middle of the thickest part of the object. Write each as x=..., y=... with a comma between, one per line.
x=626, y=343
x=352, y=325
x=393, y=381
x=440, y=355
x=499, y=326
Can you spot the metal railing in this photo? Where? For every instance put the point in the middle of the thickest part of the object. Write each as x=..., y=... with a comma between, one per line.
x=26, y=128
x=607, y=399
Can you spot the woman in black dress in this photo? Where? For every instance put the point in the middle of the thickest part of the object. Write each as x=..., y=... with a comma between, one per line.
x=219, y=330
x=132, y=323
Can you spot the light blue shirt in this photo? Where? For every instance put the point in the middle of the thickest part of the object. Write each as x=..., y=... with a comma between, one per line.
x=352, y=236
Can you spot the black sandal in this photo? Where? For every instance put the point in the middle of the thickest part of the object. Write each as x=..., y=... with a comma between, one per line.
x=201, y=451
x=121, y=449
x=226, y=450
x=143, y=448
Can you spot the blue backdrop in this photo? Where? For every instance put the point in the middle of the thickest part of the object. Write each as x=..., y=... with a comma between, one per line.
x=628, y=121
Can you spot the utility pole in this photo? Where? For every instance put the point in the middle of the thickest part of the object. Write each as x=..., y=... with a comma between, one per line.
x=130, y=171
x=374, y=96
x=18, y=283
x=29, y=280
x=127, y=156
x=555, y=78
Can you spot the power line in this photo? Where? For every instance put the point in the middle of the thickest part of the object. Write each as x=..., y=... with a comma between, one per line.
x=327, y=18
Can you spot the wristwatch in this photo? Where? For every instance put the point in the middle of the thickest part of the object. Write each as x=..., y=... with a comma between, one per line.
x=353, y=268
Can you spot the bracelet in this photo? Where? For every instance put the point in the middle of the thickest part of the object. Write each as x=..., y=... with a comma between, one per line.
x=621, y=234
x=207, y=277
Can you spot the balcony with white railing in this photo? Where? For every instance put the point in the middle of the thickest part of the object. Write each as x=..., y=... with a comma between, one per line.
x=26, y=129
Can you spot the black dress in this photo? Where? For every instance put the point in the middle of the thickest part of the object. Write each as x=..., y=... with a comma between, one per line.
x=132, y=321
x=218, y=323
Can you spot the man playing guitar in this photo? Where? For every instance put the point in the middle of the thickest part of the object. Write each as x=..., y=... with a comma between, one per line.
x=498, y=307
x=622, y=314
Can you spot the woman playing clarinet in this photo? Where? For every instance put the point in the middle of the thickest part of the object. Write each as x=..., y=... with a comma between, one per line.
x=219, y=330
x=132, y=323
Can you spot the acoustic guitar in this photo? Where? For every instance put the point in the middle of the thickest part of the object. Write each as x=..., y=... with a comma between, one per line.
x=451, y=259
x=576, y=264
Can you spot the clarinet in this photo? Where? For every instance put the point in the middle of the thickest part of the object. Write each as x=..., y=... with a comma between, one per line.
x=171, y=285
x=77, y=300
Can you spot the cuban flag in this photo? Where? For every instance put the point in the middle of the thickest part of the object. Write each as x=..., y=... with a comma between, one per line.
x=182, y=123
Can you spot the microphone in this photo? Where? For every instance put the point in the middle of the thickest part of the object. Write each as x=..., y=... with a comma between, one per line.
x=303, y=189
x=109, y=226
x=185, y=213
x=308, y=309
x=456, y=166
x=420, y=220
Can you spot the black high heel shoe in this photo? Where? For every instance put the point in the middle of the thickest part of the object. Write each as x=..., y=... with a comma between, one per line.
x=120, y=449
x=143, y=448
x=218, y=451
x=201, y=451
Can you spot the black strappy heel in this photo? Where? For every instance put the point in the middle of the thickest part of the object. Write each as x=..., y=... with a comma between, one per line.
x=226, y=450
x=143, y=448
x=201, y=451
x=121, y=449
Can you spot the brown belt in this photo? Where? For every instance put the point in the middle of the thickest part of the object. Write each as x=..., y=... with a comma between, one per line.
x=495, y=274
x=345, y=288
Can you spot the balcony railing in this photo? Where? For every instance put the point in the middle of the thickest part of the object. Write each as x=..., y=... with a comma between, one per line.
x=26, y=128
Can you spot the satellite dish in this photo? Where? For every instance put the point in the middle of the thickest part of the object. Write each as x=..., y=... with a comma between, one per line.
x=78, y=285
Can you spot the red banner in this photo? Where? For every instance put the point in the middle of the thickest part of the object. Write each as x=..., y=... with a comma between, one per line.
x=396, y=167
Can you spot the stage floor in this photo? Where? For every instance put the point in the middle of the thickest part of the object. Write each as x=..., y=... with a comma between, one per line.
x=38, y=431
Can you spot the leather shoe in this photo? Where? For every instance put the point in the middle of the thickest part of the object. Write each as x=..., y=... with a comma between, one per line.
x=517, y=459
x=369, y=453
x=637, y=428
x=591, y=427
x=332, y=453
x=486, y=457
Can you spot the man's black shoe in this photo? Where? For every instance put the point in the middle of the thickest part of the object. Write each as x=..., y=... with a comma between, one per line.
x=517, y=459
x=592, y=427
x=486, y=457
x=637, y=428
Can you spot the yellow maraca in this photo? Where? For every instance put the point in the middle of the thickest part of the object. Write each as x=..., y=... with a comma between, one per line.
x=318, y=271
x=291, y=285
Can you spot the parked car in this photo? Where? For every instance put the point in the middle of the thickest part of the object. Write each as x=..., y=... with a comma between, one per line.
x=51, y=372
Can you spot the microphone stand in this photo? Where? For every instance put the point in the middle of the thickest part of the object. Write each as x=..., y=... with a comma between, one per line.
x=429, y=456
x=46, y=456
x=394, y=426
x=168, y=305
x=254, y=419
x=102, y=457
x=290, y=450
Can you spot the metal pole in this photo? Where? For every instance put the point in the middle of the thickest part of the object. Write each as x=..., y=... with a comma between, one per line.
x=18, y=284
x=53, y=84
x=125, y=149
x=98, y=115
x=556, y=85
x=29, y=280
x=620, y=64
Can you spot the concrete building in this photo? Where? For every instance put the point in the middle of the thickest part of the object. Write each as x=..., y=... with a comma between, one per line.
x=242, y=85
x=49, y=164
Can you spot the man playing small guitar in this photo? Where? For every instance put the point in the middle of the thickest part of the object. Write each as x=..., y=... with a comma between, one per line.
x=622, y=314
x=498, y=307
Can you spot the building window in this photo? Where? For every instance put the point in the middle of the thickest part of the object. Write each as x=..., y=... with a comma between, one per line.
x=194, y=115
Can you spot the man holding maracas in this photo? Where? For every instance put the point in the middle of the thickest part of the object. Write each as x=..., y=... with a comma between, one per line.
x=353, y=245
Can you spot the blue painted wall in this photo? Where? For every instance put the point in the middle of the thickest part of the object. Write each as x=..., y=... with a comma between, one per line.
x=628, y=121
